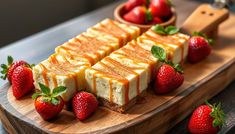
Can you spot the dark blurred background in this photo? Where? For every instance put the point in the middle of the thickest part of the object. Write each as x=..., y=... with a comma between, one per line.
x=21, y=18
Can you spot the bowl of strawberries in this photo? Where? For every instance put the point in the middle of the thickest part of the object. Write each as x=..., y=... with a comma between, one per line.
x=146, y=13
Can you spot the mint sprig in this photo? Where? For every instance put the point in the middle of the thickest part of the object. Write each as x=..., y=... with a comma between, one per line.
x=209, y=40
x=160, y=54
x=169, y=30
x=48, y=96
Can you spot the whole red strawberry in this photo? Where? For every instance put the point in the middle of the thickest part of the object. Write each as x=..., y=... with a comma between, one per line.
x=160, y=8
x=156, y=20
x=137, y=15
x=206, y=119
x=22, y=81
x=48, y=104
x=84, y=104
x=130, y=4
x=7, y=70
x=198, y=50
x=167, y=79
x=169, y=76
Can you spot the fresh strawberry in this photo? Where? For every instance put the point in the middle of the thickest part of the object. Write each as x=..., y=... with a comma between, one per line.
x=22, y=81
x=206, y=119
x=7, y=70
x=84, y=104
x=160, y=8
x=198, y=49
x=130, y=4
x=156, y=20
x=48, y=104
x=137, y=15
x=167, y=79
x=169, y=76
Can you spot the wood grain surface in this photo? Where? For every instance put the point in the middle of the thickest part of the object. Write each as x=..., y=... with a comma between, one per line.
x=155, y=114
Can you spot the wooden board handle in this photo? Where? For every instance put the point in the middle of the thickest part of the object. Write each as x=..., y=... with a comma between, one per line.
x=205, y=19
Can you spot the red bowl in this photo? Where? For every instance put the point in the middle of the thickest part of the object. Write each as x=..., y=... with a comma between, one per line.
x=119, y=11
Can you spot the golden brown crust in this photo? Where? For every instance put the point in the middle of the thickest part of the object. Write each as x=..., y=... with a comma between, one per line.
x=118, y=108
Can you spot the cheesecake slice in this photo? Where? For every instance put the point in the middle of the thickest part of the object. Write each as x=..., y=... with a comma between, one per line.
x=67, y=66
x=126, y=73
x=176, y=45
x=122, y=76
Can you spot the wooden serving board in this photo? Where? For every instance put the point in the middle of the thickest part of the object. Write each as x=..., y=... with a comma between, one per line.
x=155, y=113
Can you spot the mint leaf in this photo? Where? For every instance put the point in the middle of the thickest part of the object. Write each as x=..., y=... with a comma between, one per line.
x=55, y=101
x=159, y=53
x=171, y=30
x=44, y=89
x=158, y=29
x=168, y=30
x=58, y=91
x=9, y=60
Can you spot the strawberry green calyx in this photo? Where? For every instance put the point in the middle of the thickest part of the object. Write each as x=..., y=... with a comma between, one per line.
x=160, y=53
x=10, y=66
x=169, y=30
x=169, y=2
x=149, y=16
x=148, y=2
x=217, y=114
x=6, y=67
x=48, y=96
x=209, y=40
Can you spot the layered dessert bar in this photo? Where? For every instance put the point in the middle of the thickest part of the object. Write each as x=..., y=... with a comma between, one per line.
x=67, y=66
x=175, y=45
x=121, y=77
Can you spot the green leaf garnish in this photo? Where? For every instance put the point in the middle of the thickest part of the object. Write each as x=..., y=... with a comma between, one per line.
x=209, y=40
x=159, y=53
x=169, y=30
x=45, y=89
x=47, y=96
x=217, y=114
x=58, y=91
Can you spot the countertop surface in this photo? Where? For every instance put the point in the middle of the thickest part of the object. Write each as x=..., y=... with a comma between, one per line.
x=31, y=49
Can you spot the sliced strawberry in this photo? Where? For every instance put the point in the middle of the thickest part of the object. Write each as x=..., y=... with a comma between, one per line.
x=48, y=104
x=84, y=104
x=22, y=81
